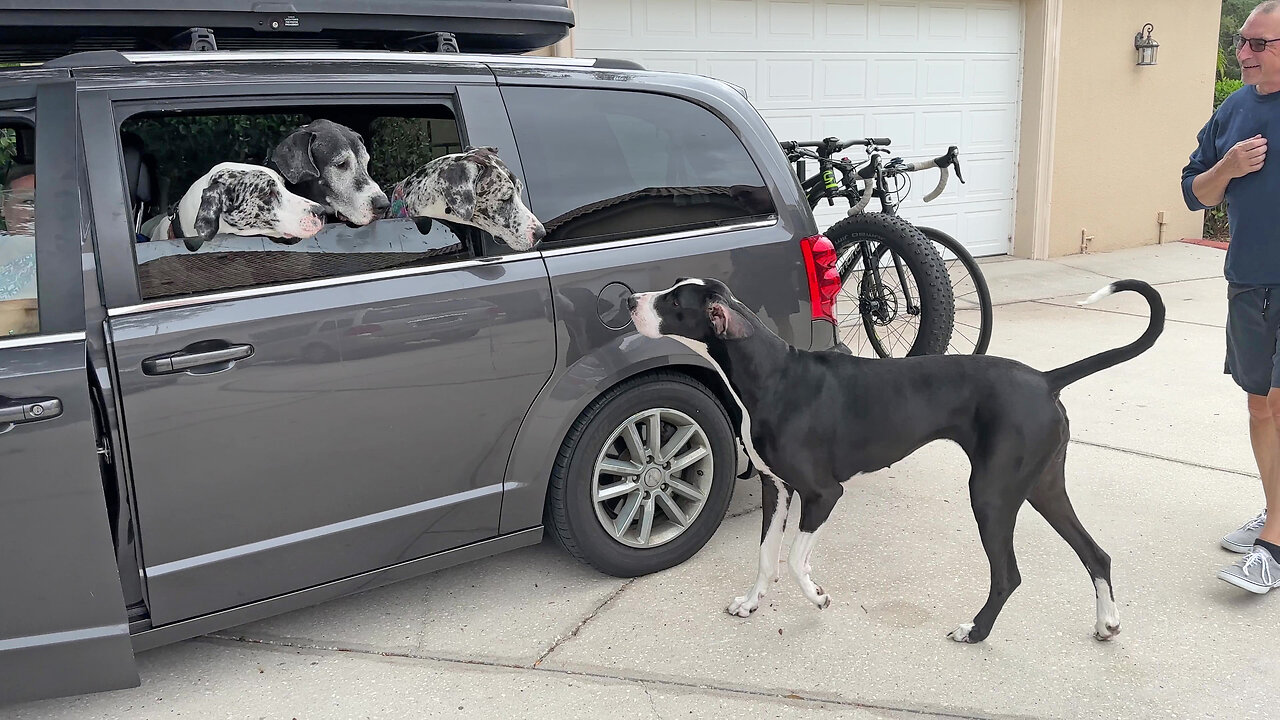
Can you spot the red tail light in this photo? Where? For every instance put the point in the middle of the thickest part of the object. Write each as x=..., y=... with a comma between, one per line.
x=824, y=279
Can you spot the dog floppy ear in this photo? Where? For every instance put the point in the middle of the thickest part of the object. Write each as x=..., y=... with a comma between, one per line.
x=460, y=188
x=727, y=323
x=293, y=156
x=212, y=202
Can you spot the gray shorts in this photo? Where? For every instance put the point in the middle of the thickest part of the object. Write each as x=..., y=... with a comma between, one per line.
x=1253, y=332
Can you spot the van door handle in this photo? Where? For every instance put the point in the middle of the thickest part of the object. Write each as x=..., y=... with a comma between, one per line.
x=184, y=360
x=20, y=410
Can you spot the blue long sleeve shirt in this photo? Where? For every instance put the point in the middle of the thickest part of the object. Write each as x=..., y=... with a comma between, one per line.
x=1253, y=201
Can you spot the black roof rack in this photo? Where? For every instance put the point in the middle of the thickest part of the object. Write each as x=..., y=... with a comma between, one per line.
x=43, y=31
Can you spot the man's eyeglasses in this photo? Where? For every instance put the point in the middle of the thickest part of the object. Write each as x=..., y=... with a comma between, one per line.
x=1255, y=44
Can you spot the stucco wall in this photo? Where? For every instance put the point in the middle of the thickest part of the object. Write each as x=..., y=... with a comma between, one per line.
x=1123, y=132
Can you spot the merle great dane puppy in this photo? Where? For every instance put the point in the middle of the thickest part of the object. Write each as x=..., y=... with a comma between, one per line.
x=811, y=420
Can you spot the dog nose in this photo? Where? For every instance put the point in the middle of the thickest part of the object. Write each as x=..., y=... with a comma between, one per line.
x=539, y=232
x=631, y=303
x=380, y=204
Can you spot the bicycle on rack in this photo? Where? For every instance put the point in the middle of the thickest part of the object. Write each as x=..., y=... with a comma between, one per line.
x=918, y=290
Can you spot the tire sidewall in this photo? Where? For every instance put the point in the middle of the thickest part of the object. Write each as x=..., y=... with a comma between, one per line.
x=600, y=548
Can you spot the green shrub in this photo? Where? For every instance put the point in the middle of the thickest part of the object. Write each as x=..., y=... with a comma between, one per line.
x=1223, y=88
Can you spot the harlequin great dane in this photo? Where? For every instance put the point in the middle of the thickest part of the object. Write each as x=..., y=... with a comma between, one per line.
x=473, y=187
x=811, y=420
x=240, y=199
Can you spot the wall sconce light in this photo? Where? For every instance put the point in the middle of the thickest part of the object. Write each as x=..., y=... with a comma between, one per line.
x=1146, y=46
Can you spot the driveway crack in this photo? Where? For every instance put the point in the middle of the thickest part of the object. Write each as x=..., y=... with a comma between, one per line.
x=590, y=616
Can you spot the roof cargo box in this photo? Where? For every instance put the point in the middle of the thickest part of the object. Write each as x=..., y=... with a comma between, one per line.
x=40, y=31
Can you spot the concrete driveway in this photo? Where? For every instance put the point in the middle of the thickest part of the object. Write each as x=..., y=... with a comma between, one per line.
x=1159, y=469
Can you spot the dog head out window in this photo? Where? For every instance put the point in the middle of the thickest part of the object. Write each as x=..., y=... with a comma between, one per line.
x=233, y=198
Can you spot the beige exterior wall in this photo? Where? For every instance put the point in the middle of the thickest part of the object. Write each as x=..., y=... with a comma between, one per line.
x=1112, y=140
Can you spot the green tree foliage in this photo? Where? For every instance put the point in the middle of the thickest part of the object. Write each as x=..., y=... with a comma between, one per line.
x=1234, y=13
x=185, y=147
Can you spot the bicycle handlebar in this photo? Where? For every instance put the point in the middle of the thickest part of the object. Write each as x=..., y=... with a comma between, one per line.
x=831, y=145
x=827, y=147
x=942, y=162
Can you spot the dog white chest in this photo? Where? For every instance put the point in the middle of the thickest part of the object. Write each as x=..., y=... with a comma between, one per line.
x=745, y=428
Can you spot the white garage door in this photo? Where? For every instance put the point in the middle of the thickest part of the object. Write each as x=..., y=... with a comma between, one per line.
x=925, y=73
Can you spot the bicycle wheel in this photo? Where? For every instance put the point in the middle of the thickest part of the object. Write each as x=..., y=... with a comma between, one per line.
x=972, y=333
x=895, y=299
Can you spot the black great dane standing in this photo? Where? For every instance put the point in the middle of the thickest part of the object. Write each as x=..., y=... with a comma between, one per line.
x=811, y=420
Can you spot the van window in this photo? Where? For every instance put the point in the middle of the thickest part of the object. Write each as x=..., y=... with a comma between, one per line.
x=608, y=165
x=288, y=205
x=19, y=304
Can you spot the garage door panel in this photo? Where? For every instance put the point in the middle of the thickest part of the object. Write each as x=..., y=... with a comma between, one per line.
x=788, y=81
x=900, y=127
x=672, y=64
x=991, y=129
x=842, y=81
x=844, y=20
x=793, y=126
x=944, y=79
x=927, y=73
x=842, y=126
x=729, y=20
x=992, y=79
x=790, y=21
x=828, y=80
x=723, y=25
x=918, y=133
x=982, y=227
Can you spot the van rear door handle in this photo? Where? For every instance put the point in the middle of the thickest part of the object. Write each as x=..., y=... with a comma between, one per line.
x=20, y=410
x=189, y=359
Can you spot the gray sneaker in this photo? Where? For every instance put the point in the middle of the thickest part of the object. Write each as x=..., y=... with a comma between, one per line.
x=1256, y=572
x=1241, y=540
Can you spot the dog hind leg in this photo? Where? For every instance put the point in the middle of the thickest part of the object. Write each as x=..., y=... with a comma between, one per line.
x=996, y=518
x=998, y=484
x=775, y=501
x=814, y=511
x=1049, y=498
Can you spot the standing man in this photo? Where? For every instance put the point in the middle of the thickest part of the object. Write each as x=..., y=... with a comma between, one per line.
x=1230, y=163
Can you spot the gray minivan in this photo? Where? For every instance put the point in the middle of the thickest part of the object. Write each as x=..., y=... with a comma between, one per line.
x=195, y=440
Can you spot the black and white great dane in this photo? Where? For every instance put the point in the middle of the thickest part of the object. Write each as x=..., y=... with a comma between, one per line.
x=811, y=420
x=328, y=162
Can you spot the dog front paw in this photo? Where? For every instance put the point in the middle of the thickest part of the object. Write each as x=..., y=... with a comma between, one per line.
x=961, y=634
x=1104, y=631
x=743, y=606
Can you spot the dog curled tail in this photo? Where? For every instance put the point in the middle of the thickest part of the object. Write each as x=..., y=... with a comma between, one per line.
x=1067, y=374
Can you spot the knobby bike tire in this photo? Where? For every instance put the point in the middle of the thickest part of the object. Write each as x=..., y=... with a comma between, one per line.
x=890, y=233
x=979, y=281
